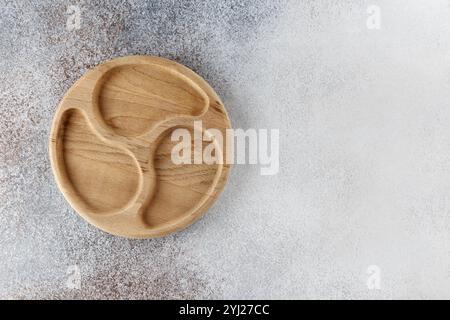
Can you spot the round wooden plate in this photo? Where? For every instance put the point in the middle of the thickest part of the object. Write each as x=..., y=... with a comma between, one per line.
x=111, y=146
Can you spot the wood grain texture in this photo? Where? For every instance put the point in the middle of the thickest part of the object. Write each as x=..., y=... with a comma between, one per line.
x=110, y=146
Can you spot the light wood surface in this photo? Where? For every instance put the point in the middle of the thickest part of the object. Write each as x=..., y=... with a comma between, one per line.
x=110, y=146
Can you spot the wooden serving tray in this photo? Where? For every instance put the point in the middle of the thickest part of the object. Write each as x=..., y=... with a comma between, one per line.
x=111, y=145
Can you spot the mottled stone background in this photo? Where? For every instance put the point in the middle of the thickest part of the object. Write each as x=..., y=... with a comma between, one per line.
x=364, y=120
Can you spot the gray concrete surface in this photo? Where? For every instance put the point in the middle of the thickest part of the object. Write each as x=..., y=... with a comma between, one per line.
x=364, y=157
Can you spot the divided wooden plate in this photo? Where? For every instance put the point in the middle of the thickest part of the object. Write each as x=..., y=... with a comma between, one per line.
x=111, y=145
